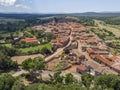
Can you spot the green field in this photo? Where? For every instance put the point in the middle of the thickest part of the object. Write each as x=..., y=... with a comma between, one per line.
x=8, y=45
x=32, y=49
x=112, y=28
x=39, y=47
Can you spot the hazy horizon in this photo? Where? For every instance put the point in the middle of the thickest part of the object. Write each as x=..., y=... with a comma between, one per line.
x=61, y=6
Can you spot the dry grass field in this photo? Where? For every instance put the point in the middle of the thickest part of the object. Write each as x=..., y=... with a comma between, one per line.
x=113, y=28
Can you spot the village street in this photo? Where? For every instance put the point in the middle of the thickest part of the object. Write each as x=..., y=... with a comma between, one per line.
x=59, y=51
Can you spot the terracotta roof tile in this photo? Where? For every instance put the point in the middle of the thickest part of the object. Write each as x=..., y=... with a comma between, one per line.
x=82, y=68
x=102, y=59
x=27, y=40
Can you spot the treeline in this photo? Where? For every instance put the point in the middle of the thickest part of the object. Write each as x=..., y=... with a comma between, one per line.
x=110, y=20
x=20, y=26
x=88, y=21
x=31, y=21
x=88, y=82
x=5, y=62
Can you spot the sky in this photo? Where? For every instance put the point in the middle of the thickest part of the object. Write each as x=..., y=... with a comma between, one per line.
x=59, y=6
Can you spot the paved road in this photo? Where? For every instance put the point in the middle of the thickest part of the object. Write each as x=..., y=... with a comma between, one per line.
x=18, y=73
x=59, y=51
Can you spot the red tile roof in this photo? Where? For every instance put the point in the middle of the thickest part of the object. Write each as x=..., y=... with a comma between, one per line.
x=90, y=50
x=82, y=68
x=111, y=57
x=29, y=40
x=102, y=59
x=91, y=40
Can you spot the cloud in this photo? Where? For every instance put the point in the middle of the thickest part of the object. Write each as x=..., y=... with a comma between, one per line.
x=22, y=6
x=7, y=2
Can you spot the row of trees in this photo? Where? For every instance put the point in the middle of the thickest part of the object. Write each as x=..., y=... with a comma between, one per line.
x=115, y=47
x=111, y=20
x=88, y=82
x=115, y=44
x=21, y=25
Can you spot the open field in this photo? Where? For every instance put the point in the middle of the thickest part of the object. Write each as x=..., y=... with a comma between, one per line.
x=112, y=28
x=39, y=47
x=25, y=50
x=20, y=59
x=8, y=45
x=51, y=65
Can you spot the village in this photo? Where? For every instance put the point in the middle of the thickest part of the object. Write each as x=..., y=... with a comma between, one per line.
x=85, y=53
x=59, y=45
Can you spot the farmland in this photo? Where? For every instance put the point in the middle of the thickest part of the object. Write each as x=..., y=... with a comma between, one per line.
x=39, y=47
x=111, y=28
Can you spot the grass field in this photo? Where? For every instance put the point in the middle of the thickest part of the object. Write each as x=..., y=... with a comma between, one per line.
x=112, y=28
x=31, y=49
x=8, y=45
x=39, y=47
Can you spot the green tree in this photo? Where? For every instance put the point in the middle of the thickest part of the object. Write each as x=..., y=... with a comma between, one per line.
x=108, y=81
x=116, y=85
x=6, y=63
x=18, y=86
x=45, y=50
x=6, y=82
x=35, y=64
x=57, y=77
x=69, y=78
x=87, y=80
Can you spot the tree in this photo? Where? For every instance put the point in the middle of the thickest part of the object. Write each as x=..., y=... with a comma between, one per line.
x=87, y=80
x=57, y=77
x=18, y=86
x=45, y=50
x=8, y=51
x=116, y=85
x=27, y=64
x=108, y=81
x=35, y=64
x=39, y=63
x=6, y=82
x=6, y=63
x=69, y=78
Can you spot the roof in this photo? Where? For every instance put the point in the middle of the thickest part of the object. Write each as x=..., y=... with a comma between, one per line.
x=92, y=40
x=27, y=40
x=82, y=27
x=90, y=50
x=102, y=59
x=96, y=66
x=116, y=66
x=111, y=57
x=82, y=68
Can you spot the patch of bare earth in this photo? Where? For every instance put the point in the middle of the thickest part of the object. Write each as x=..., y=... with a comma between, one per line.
x=20, y=59
x=51, y=65
x=71, y=69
